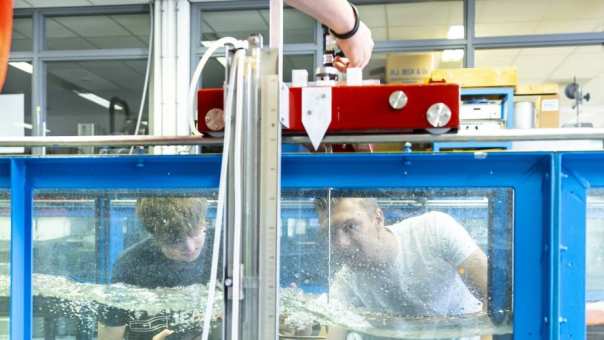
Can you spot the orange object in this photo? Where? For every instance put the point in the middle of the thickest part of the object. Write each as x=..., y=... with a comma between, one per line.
x=6, y=30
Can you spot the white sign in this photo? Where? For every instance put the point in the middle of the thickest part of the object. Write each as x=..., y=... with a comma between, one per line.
x=13, y=124
x=550, y=105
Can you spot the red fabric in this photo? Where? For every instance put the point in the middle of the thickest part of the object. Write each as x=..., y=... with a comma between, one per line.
x=6, y=30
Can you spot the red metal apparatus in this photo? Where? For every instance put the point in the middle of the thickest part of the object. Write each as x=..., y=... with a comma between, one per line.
x=363, y=109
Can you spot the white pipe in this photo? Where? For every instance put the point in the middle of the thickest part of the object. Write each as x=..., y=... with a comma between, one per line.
x=169, y=60
x=155, y=110
x=197, y=74
x=239, y=60
x=141, y=106
x=183, y=64
x=220, y=208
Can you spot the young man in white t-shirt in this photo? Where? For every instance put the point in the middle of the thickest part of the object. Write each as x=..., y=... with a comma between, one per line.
x=426, y=265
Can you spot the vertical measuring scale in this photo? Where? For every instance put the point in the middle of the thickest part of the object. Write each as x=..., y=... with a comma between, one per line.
x=270, y=193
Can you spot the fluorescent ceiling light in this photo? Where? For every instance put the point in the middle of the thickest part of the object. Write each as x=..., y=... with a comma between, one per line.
x=452, y=55
x=456, y=32
x=23, y=66
x=96, y=99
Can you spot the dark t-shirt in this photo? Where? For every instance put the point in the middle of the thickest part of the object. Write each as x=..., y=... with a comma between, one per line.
x=144, y=265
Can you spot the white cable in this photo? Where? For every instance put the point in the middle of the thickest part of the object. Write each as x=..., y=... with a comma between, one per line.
x=220, y=206
x=147, y=74
x=197, y=73
x=239, y=59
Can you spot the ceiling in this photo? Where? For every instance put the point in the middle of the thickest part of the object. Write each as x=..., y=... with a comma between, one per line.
x=423, y=20
x=517, y=17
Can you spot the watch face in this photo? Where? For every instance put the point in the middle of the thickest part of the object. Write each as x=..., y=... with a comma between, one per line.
x=354, y=336
x=215, y=119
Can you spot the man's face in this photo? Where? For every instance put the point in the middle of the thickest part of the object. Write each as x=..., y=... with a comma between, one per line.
x=187, y=249
x=355, y=234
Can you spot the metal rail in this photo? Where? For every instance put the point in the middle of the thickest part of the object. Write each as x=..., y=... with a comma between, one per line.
x=501, y=135
x=74, y=141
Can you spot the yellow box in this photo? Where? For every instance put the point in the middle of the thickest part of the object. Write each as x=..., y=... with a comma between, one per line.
x=537, y=89
x=477, y=77
x=409, y=68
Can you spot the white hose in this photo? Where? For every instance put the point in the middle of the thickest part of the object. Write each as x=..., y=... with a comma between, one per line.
x=221, y=198
x=197, y=74
x=239, y=59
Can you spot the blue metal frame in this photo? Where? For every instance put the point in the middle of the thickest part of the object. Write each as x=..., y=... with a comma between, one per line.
x=546, y=276
x=528, y=174
x=29, y=174
x=579, y=173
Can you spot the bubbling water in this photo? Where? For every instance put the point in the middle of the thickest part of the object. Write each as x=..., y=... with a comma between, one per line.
x=186, y=305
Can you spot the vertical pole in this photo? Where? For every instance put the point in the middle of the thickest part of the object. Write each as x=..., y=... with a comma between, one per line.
x=21, y=252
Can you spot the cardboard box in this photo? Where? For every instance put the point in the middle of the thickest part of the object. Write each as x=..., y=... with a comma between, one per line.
x=477, y=77
x=537, y=89
x=409, y=68
x=548, y=111
x=547, y=102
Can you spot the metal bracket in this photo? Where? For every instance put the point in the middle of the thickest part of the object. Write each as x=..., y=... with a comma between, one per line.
x=316, y=113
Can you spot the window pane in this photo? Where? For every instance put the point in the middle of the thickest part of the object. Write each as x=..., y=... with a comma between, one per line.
x=213, y=74
x=81, y=93
x=297, y=27
x=298, y=62
x=376, y=69
x=22, y=34
x=140, y=259
x=5, y=238
x=397, y=263
x=518, y=17
x=414, y=20
x=18, y=81
x=558, y=66
x=99, y=31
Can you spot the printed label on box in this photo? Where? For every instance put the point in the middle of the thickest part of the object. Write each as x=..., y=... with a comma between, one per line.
x=550, y=105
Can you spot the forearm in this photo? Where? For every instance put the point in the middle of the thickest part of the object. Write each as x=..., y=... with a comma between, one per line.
x=335, y=14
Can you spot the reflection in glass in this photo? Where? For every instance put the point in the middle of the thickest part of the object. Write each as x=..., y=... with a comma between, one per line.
x=297, y=27
x=412, y=20
x=5, y=238
x=105, y=93
x=397, y=263
x=22, y=35
x=516, y=17
x=135, y=262
x=97, y=32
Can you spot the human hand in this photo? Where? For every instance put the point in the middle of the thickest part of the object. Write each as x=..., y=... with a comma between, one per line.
x=358, y=49
x=162, y=335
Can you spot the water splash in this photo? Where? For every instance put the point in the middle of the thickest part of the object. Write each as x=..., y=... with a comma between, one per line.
x=298, y=310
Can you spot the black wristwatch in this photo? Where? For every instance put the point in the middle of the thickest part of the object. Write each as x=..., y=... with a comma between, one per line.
x=357, y=23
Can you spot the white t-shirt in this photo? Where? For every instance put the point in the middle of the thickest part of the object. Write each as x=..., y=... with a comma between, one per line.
x=425, y=282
